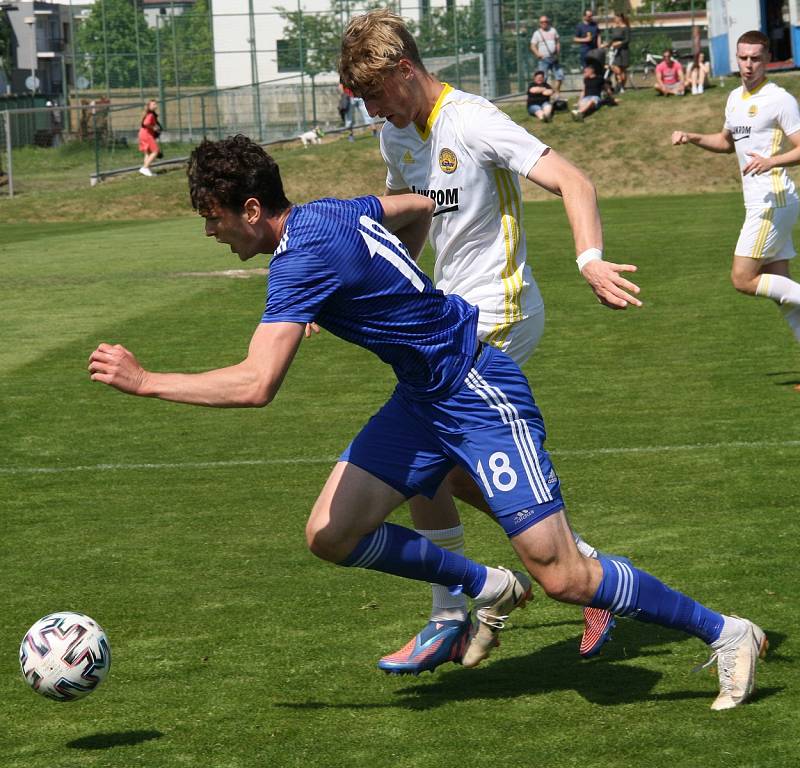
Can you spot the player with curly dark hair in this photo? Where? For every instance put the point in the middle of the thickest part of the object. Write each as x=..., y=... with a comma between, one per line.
x=229, y=171
x=350, y=264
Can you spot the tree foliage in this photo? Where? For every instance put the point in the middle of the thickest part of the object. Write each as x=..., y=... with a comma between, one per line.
x=194, y=45
x=311, y=41
x=5, y=44
x=117, y=49
x=665, y=6
x=106, y=41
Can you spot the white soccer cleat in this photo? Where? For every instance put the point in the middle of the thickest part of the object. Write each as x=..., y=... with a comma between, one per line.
x=491, y=617
x=742, y=643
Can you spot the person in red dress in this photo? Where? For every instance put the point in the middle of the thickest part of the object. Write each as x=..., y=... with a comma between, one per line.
x=149, y=132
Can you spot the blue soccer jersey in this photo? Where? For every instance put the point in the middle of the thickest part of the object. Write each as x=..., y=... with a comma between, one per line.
x=338, y=266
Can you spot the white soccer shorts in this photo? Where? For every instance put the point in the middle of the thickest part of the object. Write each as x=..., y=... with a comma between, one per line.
x=767, y=234
x=518, y=340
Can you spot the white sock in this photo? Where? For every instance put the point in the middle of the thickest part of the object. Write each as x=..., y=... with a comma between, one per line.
x=779, y=288
x=444, y=605
x=699, y=88
x=732, y=630
x=496, y=582
x=791, y=315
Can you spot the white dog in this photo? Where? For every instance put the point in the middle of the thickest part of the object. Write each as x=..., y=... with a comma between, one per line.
x=312, y=137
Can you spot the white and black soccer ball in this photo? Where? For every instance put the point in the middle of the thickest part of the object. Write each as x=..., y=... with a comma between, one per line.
x=65, y=656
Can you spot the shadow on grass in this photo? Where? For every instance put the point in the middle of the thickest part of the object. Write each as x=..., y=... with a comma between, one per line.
x=604, y=680
x=109, y=740
x=793, y=382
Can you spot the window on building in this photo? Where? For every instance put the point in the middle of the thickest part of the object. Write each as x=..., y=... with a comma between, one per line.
x=288, y=55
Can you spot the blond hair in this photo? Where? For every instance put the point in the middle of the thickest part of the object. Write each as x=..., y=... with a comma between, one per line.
x=372, y=46
x=147, y=109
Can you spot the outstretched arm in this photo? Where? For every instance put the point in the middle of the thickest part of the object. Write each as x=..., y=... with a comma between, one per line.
x=252, y=383
x=409, y=217
x=561, y=177
x=713, y=142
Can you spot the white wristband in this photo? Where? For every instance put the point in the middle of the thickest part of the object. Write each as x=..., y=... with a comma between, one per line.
x=590, y=254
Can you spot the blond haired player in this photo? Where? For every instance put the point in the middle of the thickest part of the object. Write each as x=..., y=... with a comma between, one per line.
x=466, y=155
x=758, y=115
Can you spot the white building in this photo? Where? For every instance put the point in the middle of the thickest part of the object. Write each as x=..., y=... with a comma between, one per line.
x=248, y=35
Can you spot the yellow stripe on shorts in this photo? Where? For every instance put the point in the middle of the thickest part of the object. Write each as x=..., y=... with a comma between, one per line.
x=777, y=176
x=766, y=224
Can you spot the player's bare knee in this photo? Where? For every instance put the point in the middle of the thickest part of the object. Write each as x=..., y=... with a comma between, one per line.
x=744, y=283
x=559, y=585
x=565, y=582
x=322, y=540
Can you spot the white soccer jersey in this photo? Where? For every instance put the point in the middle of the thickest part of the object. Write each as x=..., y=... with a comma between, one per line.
x=468, y=160
x=758, y=122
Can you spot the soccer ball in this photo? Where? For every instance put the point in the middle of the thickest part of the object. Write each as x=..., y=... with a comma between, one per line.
x=65, y=656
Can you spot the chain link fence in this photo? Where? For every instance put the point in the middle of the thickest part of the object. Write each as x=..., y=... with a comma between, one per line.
x=114, y=59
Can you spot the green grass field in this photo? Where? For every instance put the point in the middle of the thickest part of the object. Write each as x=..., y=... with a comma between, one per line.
x=675, y=430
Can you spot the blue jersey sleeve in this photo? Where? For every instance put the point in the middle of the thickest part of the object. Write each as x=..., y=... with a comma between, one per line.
x=299, y=284
x=301, y=278
x=371, y=206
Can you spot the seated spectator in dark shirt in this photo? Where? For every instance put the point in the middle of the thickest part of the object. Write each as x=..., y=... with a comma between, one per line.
x=539, y=93
x=592, y=93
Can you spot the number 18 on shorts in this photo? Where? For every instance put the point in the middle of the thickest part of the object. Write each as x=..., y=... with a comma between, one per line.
x=491, y=427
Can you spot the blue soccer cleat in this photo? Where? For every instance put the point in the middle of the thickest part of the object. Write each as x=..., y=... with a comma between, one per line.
x=597, y=626
x=438, y=643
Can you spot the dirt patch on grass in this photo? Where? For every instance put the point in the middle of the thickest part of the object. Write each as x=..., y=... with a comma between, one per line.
x=240, y=274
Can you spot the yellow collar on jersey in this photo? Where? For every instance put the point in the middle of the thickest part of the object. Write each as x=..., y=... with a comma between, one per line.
x=434, y=113
x=747, y=94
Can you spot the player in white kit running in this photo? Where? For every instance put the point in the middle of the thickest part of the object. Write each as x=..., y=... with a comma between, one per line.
x=466, y=155
x=758, y=115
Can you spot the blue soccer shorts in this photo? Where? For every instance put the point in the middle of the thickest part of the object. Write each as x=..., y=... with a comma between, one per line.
x=491, y=427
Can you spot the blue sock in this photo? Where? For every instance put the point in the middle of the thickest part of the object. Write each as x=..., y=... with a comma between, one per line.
x=627, y=591
x=403, y=552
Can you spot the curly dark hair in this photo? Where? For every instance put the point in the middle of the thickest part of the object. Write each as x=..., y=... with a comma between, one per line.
x=229, y=171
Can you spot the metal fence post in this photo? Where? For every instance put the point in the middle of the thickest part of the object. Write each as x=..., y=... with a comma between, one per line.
x=159, y=79
x=96, y=143
x=10, y=169
x=105, y=49
x=175, y=63
x=254, y=73
x=302, y=66
x=135, y=6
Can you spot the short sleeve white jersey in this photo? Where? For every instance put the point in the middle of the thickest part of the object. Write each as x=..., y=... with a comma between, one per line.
x=758, y=122
x=468, y=160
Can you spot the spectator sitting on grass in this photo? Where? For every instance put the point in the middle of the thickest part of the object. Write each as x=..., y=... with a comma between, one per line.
x=592, y=93
x=697, y=73
x=539, y=93
x=669, y=76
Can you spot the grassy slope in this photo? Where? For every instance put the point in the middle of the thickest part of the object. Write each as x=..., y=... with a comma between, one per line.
x=626, y=151
x=672, y=429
